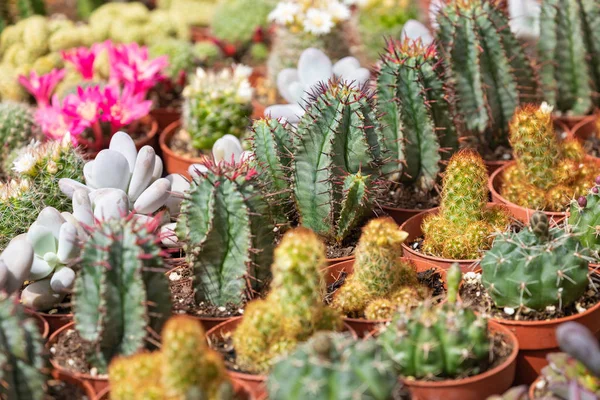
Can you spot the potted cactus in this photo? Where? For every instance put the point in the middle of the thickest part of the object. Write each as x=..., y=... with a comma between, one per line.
x=478, y=361
x=547, y=173
x=379, y=280
x=17, y=129
x=418, y=128
x=583, y=214
x=531, y=282
x=463, y=226
x=215, y=104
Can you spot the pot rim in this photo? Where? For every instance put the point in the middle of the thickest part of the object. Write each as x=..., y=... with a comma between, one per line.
x=45, y=331
x=166, y=134
x=384, y=208
x=589, y=119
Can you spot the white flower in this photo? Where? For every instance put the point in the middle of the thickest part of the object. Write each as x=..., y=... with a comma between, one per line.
x=318, y=22
x=244, y=92
x=284, y=13
x=546, y=108
x=25, y=163
x=338, y=11
x=241, y=72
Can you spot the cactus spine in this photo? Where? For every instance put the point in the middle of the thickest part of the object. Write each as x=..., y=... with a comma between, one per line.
x=487, y=67
x=227, y=236
x=292, y=311
x=584, y=219
x=22, y=356
x=418, y=123
x=463, y=226
x=121, y=290
x=17, y=128
x=536, y=268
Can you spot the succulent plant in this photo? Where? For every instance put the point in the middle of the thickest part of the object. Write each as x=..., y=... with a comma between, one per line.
x=17, y=128
x=535, y=268
x=227, y=235
x=293, y=310
x=15, y=264
x=190, y=12
x=583, y=219
x=464, y=224
x=515, y=393
x=418, y=132
x=419, y=342
x=86, y=7
x=579, y=342
x=548, y=173
x=333, y=366
x=19, y=206
x=236, y=21
x=23, y=362
x=181, y=54
x=565, y=378
x=379, y=274
x=184, y=366
x=487, y=67
x=121, y=291
x=207, y=52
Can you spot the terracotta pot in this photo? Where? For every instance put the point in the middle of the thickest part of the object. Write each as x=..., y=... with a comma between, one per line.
x=103, y=395
x=165, y=117
x=363, y=326
x=332, y=261
x=570, y=121
x=41, y=323
x=54, y=321
x=174, y=163
x=478, y=387
x=492, y=166
x=401, y=215
x=586, y=128
x=97, y=383
x=256, y=383
x=531, y=391
x=71, y=380
x=258, y=109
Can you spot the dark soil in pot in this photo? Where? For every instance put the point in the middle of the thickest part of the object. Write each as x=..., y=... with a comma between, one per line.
x=166, y=96
x=181, y=144
x=592, y=146
x=401, y=196
x=60, y=390
x=69, y=352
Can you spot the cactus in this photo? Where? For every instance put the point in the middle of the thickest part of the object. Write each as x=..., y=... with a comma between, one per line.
x=293, y=311
x=182, y=58
x=217, y=104
x=419, y=131
x=17, y=128
x=464, y=225
x=450, y=341
x=547, y=173
x=19, y=206
x=185, y=366
x=121, y=292
x=86, y=7
x=536, y=268
x=333, y=366
x=207, y=52
x=583, y=219
x=234, y=23
x=487, y=67
x=227, y=235
x=379, y=274
x=23, y=361
x=27, y=8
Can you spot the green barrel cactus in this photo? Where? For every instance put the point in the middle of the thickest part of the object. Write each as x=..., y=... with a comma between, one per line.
x=333, y=366
x=182, y=59
x=17, y=129
x=418, y=132
x=227, y=235
x=23, y=361
x=236, y=21
x=584, y=219
x=449, y=341
x=487, y=67
x=536, y=268
x=121, y=290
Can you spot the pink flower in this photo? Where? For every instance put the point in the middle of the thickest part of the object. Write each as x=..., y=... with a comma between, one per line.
x=122, y=107
x=55, y=123
x=85, y=105
x=41, y=87
x=82, y=59
x=130, y=65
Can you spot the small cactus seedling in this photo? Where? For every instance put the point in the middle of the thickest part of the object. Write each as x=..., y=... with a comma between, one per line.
x=23, y=362
x=584, y=218
x=381, y=281
x=227, y=235
x=294, y=308
x=121, y=291
x=536, y=268
x=547, y=173
x=464, y=225
x=333, y=366
x=185, y=367
x=450, y=341
x=17, y=128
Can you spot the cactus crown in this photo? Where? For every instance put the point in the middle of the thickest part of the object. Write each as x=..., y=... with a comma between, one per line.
x=121, y=291
x=227, y=235
x=22, y=358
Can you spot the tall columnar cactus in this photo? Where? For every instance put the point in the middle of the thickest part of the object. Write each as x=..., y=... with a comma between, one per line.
x=293, y=311
x=464, y=225
x=227, y=235
x=418, y=122
x=569, y=54
x=17, y=128
x=23, y=362
x=536, y=268
x=121, y=290
x=446, y=342
x=486, y=65
x=548, y=173
x=380, y=275
x=333, y=366
x=184, y=366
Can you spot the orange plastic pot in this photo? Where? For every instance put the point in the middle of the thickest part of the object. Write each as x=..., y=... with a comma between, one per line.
x=71, y=380
x=401, y=215
x=54, y=321
x=41, y=323
x=570, y=121
x=478, y=387
x=173, y=162
x=586, y=128
x=532, y=388
x=165, y=117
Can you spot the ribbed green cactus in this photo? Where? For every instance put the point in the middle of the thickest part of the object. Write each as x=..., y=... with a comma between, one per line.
x=536, y=268
x=20, y=205
x=23, y=361
x=17, y=128
x=27, y=8
x=293, y=311
x=568, y=51
x=185, y=366
x=418, y=122
x=584, y=219
x=450, y=341
x=487, y=67
x=236, y=21
x=333, y=366
x=121, y=290
x=227, y=235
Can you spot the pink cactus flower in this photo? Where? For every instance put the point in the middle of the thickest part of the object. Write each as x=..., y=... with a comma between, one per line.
x=131, y=65
x=85, y=105
x=82, y=58
x=56, y=124
x=42, y=86
x=122, y=107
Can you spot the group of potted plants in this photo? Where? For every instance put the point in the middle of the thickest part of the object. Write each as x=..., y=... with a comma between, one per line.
x=268, y=212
